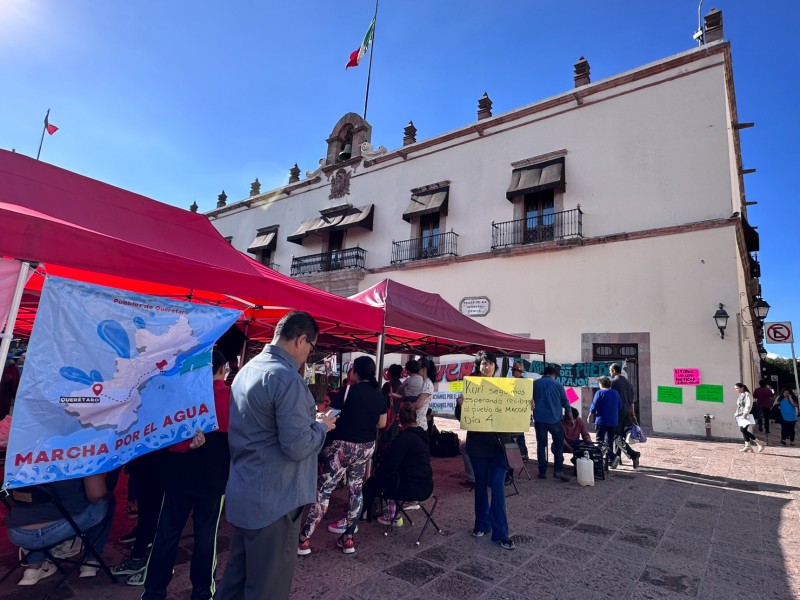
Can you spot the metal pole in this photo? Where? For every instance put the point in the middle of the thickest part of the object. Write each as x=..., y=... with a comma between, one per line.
x=379, y=357
x=244, y=345
x=8, y=334
x=41, y=141
x=794, y=365
x=371, y=52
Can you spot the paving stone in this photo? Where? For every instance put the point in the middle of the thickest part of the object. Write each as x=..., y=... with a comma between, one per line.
x=485, y=569
x=382, y=585
x=670, y=580
x=415, y=571
x=531, y=585
x=458, y=586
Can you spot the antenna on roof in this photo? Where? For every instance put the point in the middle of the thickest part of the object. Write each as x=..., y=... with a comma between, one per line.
x=699, y=34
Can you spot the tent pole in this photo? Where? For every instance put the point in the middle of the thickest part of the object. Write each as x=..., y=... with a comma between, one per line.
x=379, y=357
x=8, y=334
x=244, y=344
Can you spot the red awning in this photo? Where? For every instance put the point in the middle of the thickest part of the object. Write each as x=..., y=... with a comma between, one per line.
x=422, y=322
x=91, y=231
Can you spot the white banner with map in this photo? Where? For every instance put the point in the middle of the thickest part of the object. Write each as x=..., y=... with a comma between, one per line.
x=110, y=375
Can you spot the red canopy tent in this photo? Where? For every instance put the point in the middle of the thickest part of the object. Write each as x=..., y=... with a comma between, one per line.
x=424, y=323
x=84, y=229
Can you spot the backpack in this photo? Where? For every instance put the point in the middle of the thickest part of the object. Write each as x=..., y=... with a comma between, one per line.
x=756, y=411
x=775, y=413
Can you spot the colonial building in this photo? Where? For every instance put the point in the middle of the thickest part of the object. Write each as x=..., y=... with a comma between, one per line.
x=610, y=220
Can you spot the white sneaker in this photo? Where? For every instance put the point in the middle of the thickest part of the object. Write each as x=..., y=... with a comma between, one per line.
x=68, y=548
x=32, y=575
x=411, y=506
x=88, y=571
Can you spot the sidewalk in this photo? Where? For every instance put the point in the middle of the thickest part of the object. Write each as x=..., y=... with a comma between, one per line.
x=698, y=520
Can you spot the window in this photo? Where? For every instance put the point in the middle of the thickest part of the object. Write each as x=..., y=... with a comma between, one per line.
x=539, y=216
x=429, y=235
x=335, y=247
x=264, y=256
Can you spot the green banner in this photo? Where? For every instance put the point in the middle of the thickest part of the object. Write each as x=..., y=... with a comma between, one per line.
x=709, y=393
x=673, y=395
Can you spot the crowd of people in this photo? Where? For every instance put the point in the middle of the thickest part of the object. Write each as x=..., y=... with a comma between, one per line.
x=277, y=457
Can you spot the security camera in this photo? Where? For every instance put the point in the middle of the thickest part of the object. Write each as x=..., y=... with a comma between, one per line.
x=698, y=35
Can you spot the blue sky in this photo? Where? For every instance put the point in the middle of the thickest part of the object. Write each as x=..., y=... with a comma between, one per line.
x=178, y=100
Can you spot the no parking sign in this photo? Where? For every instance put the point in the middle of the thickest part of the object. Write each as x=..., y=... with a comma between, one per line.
x=779, y=332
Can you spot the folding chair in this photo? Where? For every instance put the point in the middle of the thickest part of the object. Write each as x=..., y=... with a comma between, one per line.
x=514, y=459
x=43, y=494
x=428, y=516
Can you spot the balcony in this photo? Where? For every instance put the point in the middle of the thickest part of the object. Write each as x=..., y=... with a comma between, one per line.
x=335, y=260
x=443, y=244
x=556, y=226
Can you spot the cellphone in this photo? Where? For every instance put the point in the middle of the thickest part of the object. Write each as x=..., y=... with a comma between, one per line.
x=332, y=412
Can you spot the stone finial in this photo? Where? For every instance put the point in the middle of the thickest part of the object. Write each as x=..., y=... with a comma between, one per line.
x=193, y=207
x=712, y=26
x=222, y=199
x=409, y=134
x=294, y=174
x=255, y=188
x=582, y=71
x=484, y=107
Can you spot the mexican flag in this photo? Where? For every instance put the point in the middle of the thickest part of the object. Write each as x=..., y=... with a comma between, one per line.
x=357, y=55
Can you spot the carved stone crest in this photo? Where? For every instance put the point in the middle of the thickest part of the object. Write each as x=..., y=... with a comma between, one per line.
x=340, y=185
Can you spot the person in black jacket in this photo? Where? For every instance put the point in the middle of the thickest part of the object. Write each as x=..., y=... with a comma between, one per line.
x=195, y=473
x=405, y=473
x=487, y=454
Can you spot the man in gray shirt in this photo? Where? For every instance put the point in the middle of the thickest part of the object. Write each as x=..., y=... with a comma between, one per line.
x=274, y=440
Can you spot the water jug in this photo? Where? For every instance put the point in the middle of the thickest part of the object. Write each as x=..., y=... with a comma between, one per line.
x=585, y=468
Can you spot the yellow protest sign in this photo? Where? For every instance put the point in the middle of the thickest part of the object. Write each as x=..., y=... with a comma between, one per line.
x=501, y=404
x=456, y=386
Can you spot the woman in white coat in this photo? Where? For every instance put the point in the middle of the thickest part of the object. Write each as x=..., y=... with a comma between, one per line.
x=744, y=404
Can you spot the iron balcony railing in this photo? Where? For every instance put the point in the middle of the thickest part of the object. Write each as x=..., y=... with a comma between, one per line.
x=335, y=260
x=555, y=226
x=442, y=244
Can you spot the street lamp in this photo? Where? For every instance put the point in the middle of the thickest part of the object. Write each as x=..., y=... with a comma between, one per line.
x=760, y=309
x=721, y=319
x=762, y=352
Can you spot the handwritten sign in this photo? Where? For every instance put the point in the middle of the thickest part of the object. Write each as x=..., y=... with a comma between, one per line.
x=444, y=403
x=673, y=395
x=573, y=374
x=686, y=376
x=496, y=404
x=709, y=393
x=456, y=386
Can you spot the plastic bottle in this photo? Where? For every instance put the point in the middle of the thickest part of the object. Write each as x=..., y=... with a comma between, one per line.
x=585, y=468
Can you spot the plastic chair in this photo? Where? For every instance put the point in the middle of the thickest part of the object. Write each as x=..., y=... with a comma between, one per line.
x=514, y=459
x=428, y=515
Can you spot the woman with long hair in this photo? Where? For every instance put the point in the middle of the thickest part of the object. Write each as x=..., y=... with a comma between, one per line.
x=363, y=412
x=744, y=405
x=788, y=406
x=488, y=458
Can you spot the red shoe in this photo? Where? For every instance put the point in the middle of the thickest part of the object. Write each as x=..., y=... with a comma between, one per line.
x=347, y=545
x=304, y=548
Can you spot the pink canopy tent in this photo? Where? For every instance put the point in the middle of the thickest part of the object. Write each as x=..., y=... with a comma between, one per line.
x=80, y=228
x=424, y=323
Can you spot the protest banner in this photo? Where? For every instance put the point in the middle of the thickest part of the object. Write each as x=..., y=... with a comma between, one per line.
x=686, y=376
x=443, y=404
x=110, y=375
x=572, y=374
x=498, y=404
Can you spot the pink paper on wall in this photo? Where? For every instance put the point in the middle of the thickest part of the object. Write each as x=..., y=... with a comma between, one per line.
x=686, y=376
x=572, y=395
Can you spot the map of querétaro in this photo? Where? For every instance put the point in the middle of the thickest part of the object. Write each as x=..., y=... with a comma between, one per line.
x=110, y=375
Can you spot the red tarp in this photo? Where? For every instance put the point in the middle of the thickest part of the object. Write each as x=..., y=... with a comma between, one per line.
x=422, y=322
x=91, y=231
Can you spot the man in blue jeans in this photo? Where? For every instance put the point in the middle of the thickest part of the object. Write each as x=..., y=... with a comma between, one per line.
x=550, y=405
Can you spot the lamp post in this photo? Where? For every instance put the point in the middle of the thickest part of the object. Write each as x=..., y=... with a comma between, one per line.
x=721, y=319
x=761, y=309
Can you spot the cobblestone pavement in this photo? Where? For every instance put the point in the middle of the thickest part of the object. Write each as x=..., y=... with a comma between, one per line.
x=697, y=520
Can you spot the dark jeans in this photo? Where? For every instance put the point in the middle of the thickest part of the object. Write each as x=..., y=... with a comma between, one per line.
x=605, y=435
x=175, y=512
x=787, y=430
x=764, y=420
x=490, y=473
x=519, y=438
x=622, y=445
x=557, y=432
x=748, y=437
x=150, y=494
x=391, y=488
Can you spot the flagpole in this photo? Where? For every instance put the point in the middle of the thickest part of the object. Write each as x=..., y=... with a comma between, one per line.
x=371, y=52
x=44, y=128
